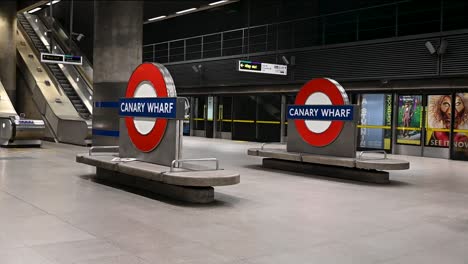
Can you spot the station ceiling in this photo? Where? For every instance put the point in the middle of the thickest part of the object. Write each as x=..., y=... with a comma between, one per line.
x=167, y=7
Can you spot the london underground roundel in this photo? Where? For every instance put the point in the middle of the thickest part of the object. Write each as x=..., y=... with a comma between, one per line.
x=148, y=80
x=322, y=91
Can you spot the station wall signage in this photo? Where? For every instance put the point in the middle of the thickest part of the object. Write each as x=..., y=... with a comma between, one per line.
x=321, y=112
x=61, y=58
x=148, y=107
x=151, y=123
x=323, y=119
x=259, y=67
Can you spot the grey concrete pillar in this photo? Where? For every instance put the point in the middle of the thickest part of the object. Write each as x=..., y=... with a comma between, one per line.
x=118, y=44
x=8, y=47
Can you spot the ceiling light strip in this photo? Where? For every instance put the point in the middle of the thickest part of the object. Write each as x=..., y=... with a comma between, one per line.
x=34, y=10
x=182, y=12
x=217, y=3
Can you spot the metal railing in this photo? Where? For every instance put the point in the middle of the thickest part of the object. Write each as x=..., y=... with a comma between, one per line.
x=103, y=149
x=381, y=21
x=361, y=154
x=180, y=161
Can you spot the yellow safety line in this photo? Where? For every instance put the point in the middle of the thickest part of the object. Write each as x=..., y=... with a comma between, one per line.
x=372, y=126
x=409, y=128
x=243, y=121
x=438, y=129
x=198, y=119
x=269, y=122
x=225, y=120
x=409, y=141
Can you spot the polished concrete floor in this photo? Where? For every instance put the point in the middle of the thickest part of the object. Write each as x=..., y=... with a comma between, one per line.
x=52, y=212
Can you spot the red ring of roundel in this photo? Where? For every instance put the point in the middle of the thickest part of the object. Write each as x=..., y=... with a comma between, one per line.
x=329, y=88
x=146, y=72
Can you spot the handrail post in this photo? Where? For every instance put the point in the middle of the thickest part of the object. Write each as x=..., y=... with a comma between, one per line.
x=168, y=51
x=185, y=49
x=222, y=39
x=201, y=47
x=243, y=36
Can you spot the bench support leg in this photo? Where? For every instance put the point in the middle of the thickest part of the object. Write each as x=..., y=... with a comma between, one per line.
x=180, y=193
x=372, y=176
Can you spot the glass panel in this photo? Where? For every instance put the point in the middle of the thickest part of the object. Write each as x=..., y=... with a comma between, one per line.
x=198, y=109
x=409, y=121
x=290, y=98
x=438, y=117
x=418, y=17
x=375, y=123
x=455, y=15
x=268, y=118
x=244, y=114
x=460, y=138
x=225, y=114
x=209, y=115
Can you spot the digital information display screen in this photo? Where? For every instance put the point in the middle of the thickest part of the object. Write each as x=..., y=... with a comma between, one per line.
x=73, y=59
x=259, y=67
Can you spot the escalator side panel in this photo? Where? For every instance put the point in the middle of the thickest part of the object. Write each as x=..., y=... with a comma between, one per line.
x=56, y=108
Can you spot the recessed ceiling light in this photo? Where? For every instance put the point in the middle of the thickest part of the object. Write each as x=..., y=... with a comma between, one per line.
x=53, y=2
x=186, y=10
x=217, y=3
x=156, y=18
x=34, y=10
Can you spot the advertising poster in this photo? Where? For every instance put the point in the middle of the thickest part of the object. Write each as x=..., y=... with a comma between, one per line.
x=409, y=119
x=460, y=139
x=375, y=121
x=439, y=111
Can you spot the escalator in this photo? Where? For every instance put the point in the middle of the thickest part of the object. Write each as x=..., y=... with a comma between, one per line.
x=55, y=69
x=17, y=131
x=63, y=101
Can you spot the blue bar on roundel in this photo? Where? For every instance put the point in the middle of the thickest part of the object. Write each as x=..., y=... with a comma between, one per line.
x=162, y=107
x=321, y=112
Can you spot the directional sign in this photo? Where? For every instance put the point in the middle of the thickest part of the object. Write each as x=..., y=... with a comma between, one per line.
x=61, y=58
x=259, y=67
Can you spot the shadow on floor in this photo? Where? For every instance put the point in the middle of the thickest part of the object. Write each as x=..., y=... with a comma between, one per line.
x=393, y=183
x=16, y=158
x=221, y=199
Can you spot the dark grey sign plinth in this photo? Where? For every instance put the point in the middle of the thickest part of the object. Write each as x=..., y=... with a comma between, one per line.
x=169, y=148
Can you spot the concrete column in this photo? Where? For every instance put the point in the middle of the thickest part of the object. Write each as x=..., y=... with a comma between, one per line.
x=8, y=47
x=118, y=44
